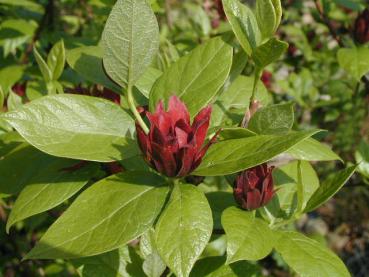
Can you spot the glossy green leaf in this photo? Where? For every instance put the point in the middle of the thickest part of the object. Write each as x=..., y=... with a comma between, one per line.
x=130, y=41
x=269, y=52
x=272, y=120
x=75, y=126
x=104, y=217
x=308, y=257
x=329, y=188
x=312, y=150
x=56, y=60
x=184, y=228
x=49, y=187
x=216, y=267
x=234, y=155
x=243, y=23
x=196, y=77
x=266, y=17
x=44, y=68
x=248, y=238
x=87, y=61
x=354, y=60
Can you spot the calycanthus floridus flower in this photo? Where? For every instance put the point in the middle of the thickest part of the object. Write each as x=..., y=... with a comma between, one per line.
x=174, y=146
x=253, y=188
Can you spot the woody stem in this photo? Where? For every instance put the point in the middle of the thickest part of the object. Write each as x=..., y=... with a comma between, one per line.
x=132, y=107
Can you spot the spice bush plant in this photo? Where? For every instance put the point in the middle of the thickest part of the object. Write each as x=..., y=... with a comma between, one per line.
x=197, y=153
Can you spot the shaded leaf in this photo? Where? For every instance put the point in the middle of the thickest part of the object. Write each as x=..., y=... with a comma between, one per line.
x=354, y=60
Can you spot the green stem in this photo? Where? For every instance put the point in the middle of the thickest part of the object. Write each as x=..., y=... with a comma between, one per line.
x=256, y=81
x=132, y=107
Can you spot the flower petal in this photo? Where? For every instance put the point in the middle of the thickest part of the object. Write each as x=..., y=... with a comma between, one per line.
x=200, y=126
x=178, y=110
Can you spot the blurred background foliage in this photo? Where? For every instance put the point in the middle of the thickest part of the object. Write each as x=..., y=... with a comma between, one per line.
x=327, y=95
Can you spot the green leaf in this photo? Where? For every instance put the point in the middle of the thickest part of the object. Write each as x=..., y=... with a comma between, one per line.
x=269, y=52
x=312, y=150
x=237, y=96
x=308, y=257
x=2, y=97
x=87, y=61
x=196, y=77
x=248, y=238
x=354, y=60
x=266, y=17
x=215, y=267
x=244, y=24
x=153, y=266
x=26, y=165
x=219, y=201
x=278, y=12
x=329, y=188
x=44, y=68
x=130, y=41
x=289, y=179
x=56, y=60
x=273, y=120
x=362, y=158
x=234, y=155
x=183, y=229
x=147, y=80
x=104, y=217
x=14, y=101
x=75, y=126
x=49, y=187
x=9, y=76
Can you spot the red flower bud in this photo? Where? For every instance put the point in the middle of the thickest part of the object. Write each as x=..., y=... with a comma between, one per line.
x=19, y=89
x=253, y=188
x=173, y=146
x=266, y=78
x=361, y=29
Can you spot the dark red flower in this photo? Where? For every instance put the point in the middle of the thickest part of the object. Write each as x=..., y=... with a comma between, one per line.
x=361, y=28
x=253, y=188
x=19, y=89
x=173, y=146
x=266, y=78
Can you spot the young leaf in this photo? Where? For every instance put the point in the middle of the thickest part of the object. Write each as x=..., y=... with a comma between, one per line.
x=248, y=238
x=313, y=150
x=237, y=96
x=104, y=217
x=362, y=158
x=87, y=61
x=243, y=23
x=234, y=155
x=75, y=126
x=56, y=60
x=196, y=77
x=130, y=41
x=308, y=257
x=329, y=188
x=266, y=17
x=14, y=101
x=269, y=52
x=184, y=228
x=273, y=120
x=354, y=60
x=44, y=68
x=278, y=12
x=50, y=186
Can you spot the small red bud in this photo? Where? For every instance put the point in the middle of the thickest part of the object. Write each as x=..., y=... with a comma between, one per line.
x=361, y=28
x=253, y=188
